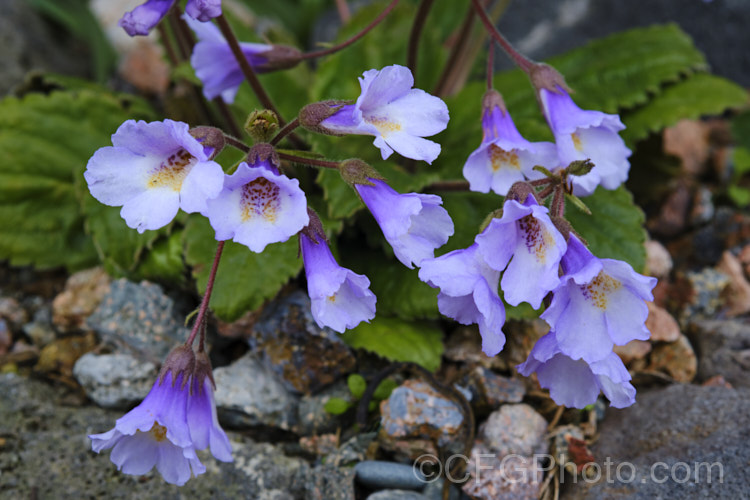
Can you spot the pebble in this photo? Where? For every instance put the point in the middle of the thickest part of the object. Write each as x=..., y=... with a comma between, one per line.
x=396, y=495
x=40, y=330
x=311, y=415
x=83, y=292
x=633, y=350
x=737, y=293
x=493, y=477
x=12, y=312
x=489, y=390
x=658, y=260
x=725, y=350
x=677, y=359
x=514, y=429
x=289, y=341
x=115, y=380
x=707, y=286
x=61, y=355
x=6, y=337
x=661, y=324
x=376, y=475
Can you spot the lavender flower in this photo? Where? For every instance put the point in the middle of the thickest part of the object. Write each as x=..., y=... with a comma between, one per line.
x=395, y=113
x=143, y=18
x=215, y=64
x=599, y=303
x=414, y=224
x=526, y=237
x=581, y=135
x=504, y=157
x=576, y=383
x=155, y=433
x=341, y=299
x=258, y=206
x=152, y=170
x=202, y=420
x=468, y=293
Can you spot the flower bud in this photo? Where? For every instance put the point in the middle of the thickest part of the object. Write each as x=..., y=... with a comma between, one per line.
x=278, y=58
x=314, y=228
x=180, y=360
x=355, y=171
x=580, y=167
x=311, y=116
x=209, y=137
x=520, y=191
x=493, y=99
x=262, y=125
x=264, y=153
x=544, y=76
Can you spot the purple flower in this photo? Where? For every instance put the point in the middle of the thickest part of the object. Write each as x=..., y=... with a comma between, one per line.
x=203, y=10
x=414, y=224
x=202, y=420
x=215, y=64
x=468, y=293
x=395, y=113
x=581, y=135
x=258, y=206
x=152, y=170
x=599, y=303
x=527, y=238
x=504, y=157
x=341, y=299
x=155, y=433
x=576, y=383
x=143, y=18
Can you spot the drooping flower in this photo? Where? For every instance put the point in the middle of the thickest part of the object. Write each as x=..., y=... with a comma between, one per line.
x=396, y=114
x=504, y=157
x=202, y=420
x=526, y=237
x=468, y=293
x=215, y=64
x=258, y=206
x=576, y=383
x=414, y=224
x=152, y=170
x=599, y=303
x=580, y=135
x=155, y=433
x=341, y=298
x=146, y=16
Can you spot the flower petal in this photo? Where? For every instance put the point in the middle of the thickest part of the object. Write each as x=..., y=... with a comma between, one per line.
x=205, y=181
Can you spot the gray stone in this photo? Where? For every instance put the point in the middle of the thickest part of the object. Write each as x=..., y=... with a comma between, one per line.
x=515, y=429
x=304, y=356
x=701, y=427
x=434, y=491
x=497, y=477
x=312, y=418
x=707, y=287
x=376, y=475
x=114, y=380
x=326, y=482
x=40, y=329
x=723, y=349
x=489, y=390
x=248, y=395
x=139, y=318
x=352, y=451
x=396, y=495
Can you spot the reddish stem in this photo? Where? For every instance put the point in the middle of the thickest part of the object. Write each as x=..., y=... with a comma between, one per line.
x=309, y=161
x=416, y=31
x=288, y=129
x=200, y=321
x=490, y=64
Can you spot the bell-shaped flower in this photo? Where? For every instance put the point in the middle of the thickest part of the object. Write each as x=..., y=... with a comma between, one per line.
x=580, y=135
x=414, y=224
x=468, y=293
x=504, y=157
x=526, y=245
x=599, y=303
x=215, y=64
x=574, y=382
x=398, y=115
x=152, y=170
x=202, y=420
x=258, y=206
x=341, y=299
x=146, y=16
x=155, y=433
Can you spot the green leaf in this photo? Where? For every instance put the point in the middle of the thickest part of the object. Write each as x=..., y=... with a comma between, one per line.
x=615, y=230
x=357, y=385
x=245, y=279
x=399, y=340
x=46, y=141
x=699, y=95
x=384, y=389
x=336, y=406
x=164, y=261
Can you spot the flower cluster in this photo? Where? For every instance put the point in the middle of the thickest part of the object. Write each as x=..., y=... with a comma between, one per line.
x=177, y=417
x=142, y=19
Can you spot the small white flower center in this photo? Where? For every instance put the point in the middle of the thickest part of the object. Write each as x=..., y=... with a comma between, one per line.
x=577, y=141
x=260, y=198
x=503, y=159
x=158, y=432
x=599, y=289
x=171, y=172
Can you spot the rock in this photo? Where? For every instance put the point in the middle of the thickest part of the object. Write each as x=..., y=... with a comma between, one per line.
x=658, y=260
x=115, y=380
x=6, y=337
x=744, y=258
x=464, y=344
x=703, y=207
x=661, y=324
x=737, y=293
x=687, y=428
x=321, y=444
x=717, y=381
x=677, y=359
x=311, y=415
x=633, y=350
x=139, y=318
x=61, y=355
x=489, y=390
x=249, y=395
x=724, y=349
x=434, y=491
x=353, y=451
x=326, y=482
x=12, y=312
x=396, y=495
x=305, y=356
x=415, y=409
x=567, y=444
x=514, y=429
x=39, y=330
x=492, y=477
x=378, y=475
x=672, y=218
x=688, y=141
x=707, y=287
x=83, y=292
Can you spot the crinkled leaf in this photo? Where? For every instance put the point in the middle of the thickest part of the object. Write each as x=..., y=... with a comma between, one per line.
x=164, y=261
x=399, y=340
x=699, y=95
x=245, y=279
x=615, y=230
